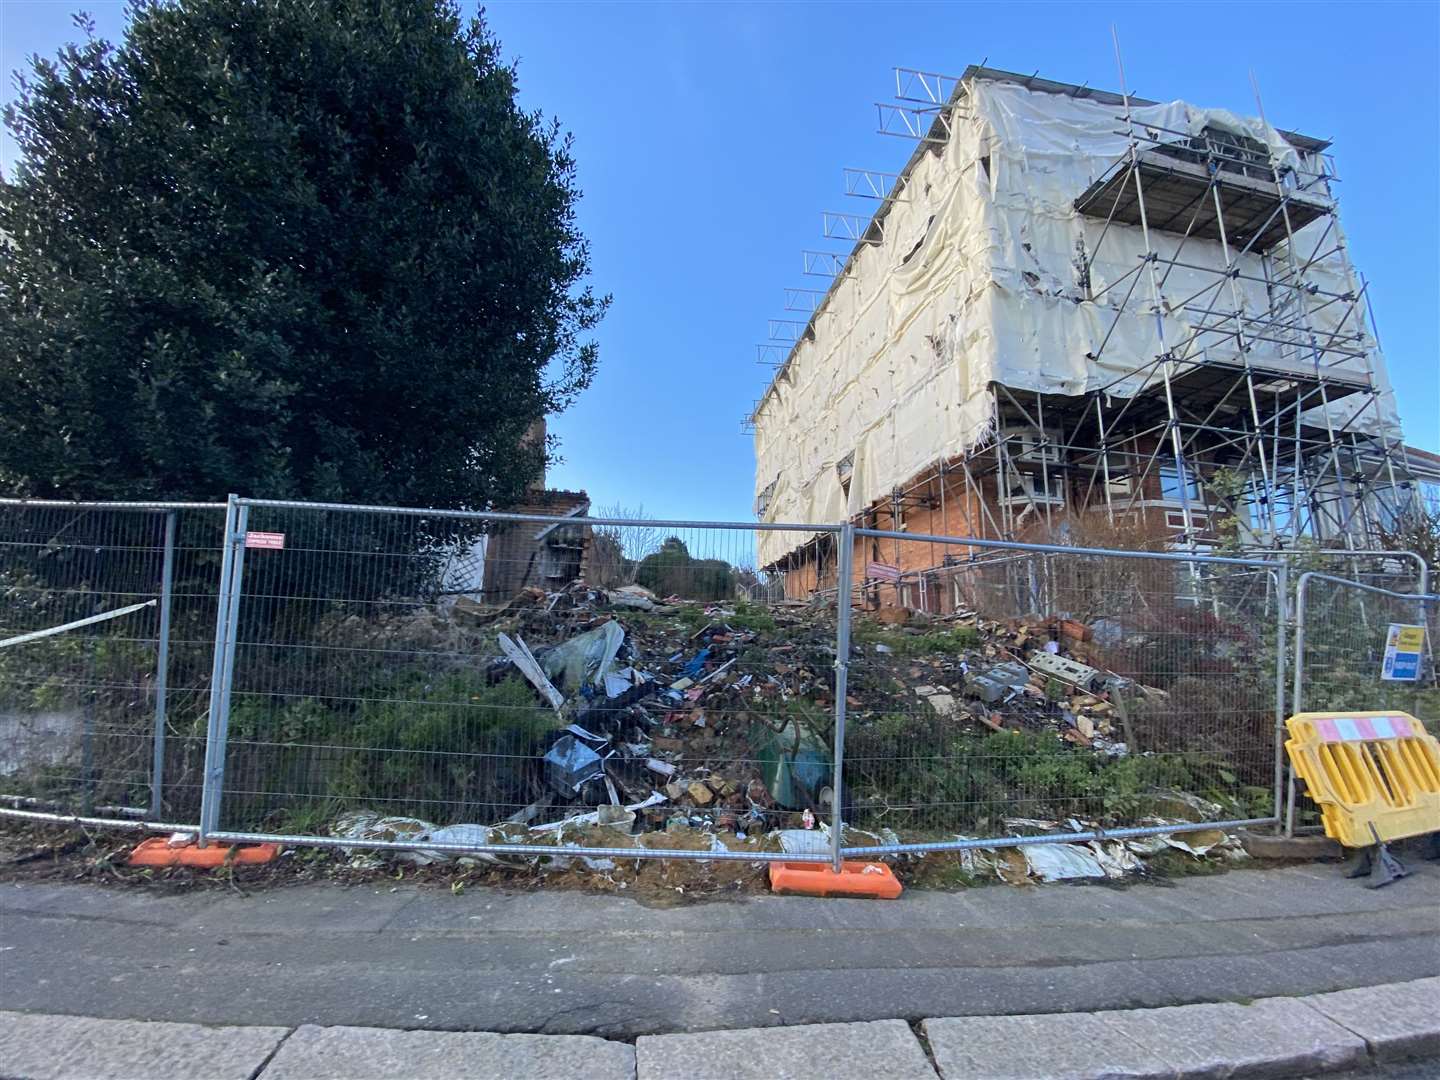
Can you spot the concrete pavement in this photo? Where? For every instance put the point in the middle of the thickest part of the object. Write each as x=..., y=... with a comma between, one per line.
x=565, y=963
x=1356, y=1031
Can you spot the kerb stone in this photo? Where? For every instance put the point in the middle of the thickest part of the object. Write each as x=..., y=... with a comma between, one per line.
x=358, y=1053
x=885, y=1048
x=1397, y=1020
x=48, y=1047
x=1049, y=1046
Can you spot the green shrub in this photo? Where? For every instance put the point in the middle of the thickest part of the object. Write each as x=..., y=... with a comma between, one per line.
x=445, y=748
x=672, y=572
x=933, y=643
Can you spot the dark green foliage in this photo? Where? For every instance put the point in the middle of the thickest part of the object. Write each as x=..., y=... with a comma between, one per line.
x=304, y=250
x=672, y=572
x=446, y=748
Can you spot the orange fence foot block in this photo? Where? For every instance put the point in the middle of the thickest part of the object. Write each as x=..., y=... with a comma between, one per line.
x=158, y=852
x=866, y=879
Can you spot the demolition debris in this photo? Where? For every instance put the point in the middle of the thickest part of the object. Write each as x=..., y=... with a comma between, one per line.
x=708, y=727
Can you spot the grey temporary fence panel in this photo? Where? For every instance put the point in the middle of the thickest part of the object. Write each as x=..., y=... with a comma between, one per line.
x=1059, y=690
x=402, y=678
x=107, y=617
x=393, y=676
x=1342, y=636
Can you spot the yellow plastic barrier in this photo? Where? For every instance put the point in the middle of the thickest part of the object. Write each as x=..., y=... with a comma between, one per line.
x=1368, y=769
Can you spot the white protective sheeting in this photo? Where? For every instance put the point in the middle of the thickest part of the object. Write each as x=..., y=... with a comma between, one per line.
x=977, y=281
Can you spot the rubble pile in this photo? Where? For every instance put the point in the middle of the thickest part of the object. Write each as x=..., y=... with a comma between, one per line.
x=1030, y=674
x=678, y=724
x=679, y=710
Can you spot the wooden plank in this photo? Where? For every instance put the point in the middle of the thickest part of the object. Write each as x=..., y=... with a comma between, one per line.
x=519, y=654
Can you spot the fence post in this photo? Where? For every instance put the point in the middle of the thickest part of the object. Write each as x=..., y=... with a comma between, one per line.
x=222, y=666
x=1282, y=604
x=162, y=669
x=1296, y=700
x=845, y=571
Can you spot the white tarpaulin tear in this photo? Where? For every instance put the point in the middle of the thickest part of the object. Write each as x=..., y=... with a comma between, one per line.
x=976, y=282
x=1061, y=862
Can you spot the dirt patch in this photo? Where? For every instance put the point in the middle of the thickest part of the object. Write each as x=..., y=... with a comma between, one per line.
x=56, y=853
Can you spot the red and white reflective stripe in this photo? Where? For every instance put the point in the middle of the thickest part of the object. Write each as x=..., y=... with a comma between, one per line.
x=1364, y=728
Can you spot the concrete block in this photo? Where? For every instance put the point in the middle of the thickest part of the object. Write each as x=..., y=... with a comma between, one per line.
x=1397, y=1020
x=1272, y=1037
x=885, y=1048
x=1305, y=848
x=39, y=1046
x=358, y=1053
x=1056, y=1046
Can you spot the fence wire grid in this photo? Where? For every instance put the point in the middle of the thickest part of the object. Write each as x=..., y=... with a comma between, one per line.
x=1065, y=689
x=1343, y=629
x=80, y=709
x=510, y=683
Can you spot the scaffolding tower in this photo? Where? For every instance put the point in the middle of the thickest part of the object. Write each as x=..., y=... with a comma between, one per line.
x=1247, y=436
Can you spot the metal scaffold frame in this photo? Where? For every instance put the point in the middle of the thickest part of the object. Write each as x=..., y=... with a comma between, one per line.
x=1207, y=406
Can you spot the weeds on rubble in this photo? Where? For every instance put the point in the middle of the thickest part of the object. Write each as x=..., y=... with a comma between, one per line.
x=750, y=617
x=907, y=770
x=932, y=643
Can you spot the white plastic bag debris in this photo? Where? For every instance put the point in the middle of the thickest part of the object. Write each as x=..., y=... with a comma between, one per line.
x=1061, y=862
x=975, y=861
x=585, y=658
x=1115, y=858
x=1197, y=843
x=368, y=825
x=476, y=835
x=592, y=818
x=1146, y=845
x=804, y=841
x=462, y=834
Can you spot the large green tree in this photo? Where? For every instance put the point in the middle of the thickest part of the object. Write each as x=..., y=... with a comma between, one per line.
x=290, y=248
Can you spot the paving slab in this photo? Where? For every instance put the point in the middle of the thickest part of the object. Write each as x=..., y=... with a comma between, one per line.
x=885, y=1048
x=1398, y=1020
x=1064, y=1046
x=357, y=1053
x=1272, y=1037
x=47, y=1047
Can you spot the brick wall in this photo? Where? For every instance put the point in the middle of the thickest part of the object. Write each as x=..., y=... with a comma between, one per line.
x=516, y=558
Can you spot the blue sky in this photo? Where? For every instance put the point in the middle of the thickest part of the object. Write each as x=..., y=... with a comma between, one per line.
x=710, y=137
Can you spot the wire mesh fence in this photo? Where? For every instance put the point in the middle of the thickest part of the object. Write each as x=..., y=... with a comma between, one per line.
x=1341, y=653
x=1364, y=648
x=1064, y=688
x=517, y=682
x=107, y=617
x=408, y=674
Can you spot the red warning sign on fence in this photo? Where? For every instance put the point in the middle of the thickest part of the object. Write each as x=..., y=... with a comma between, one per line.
x=879, y=571
x=274, y=541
